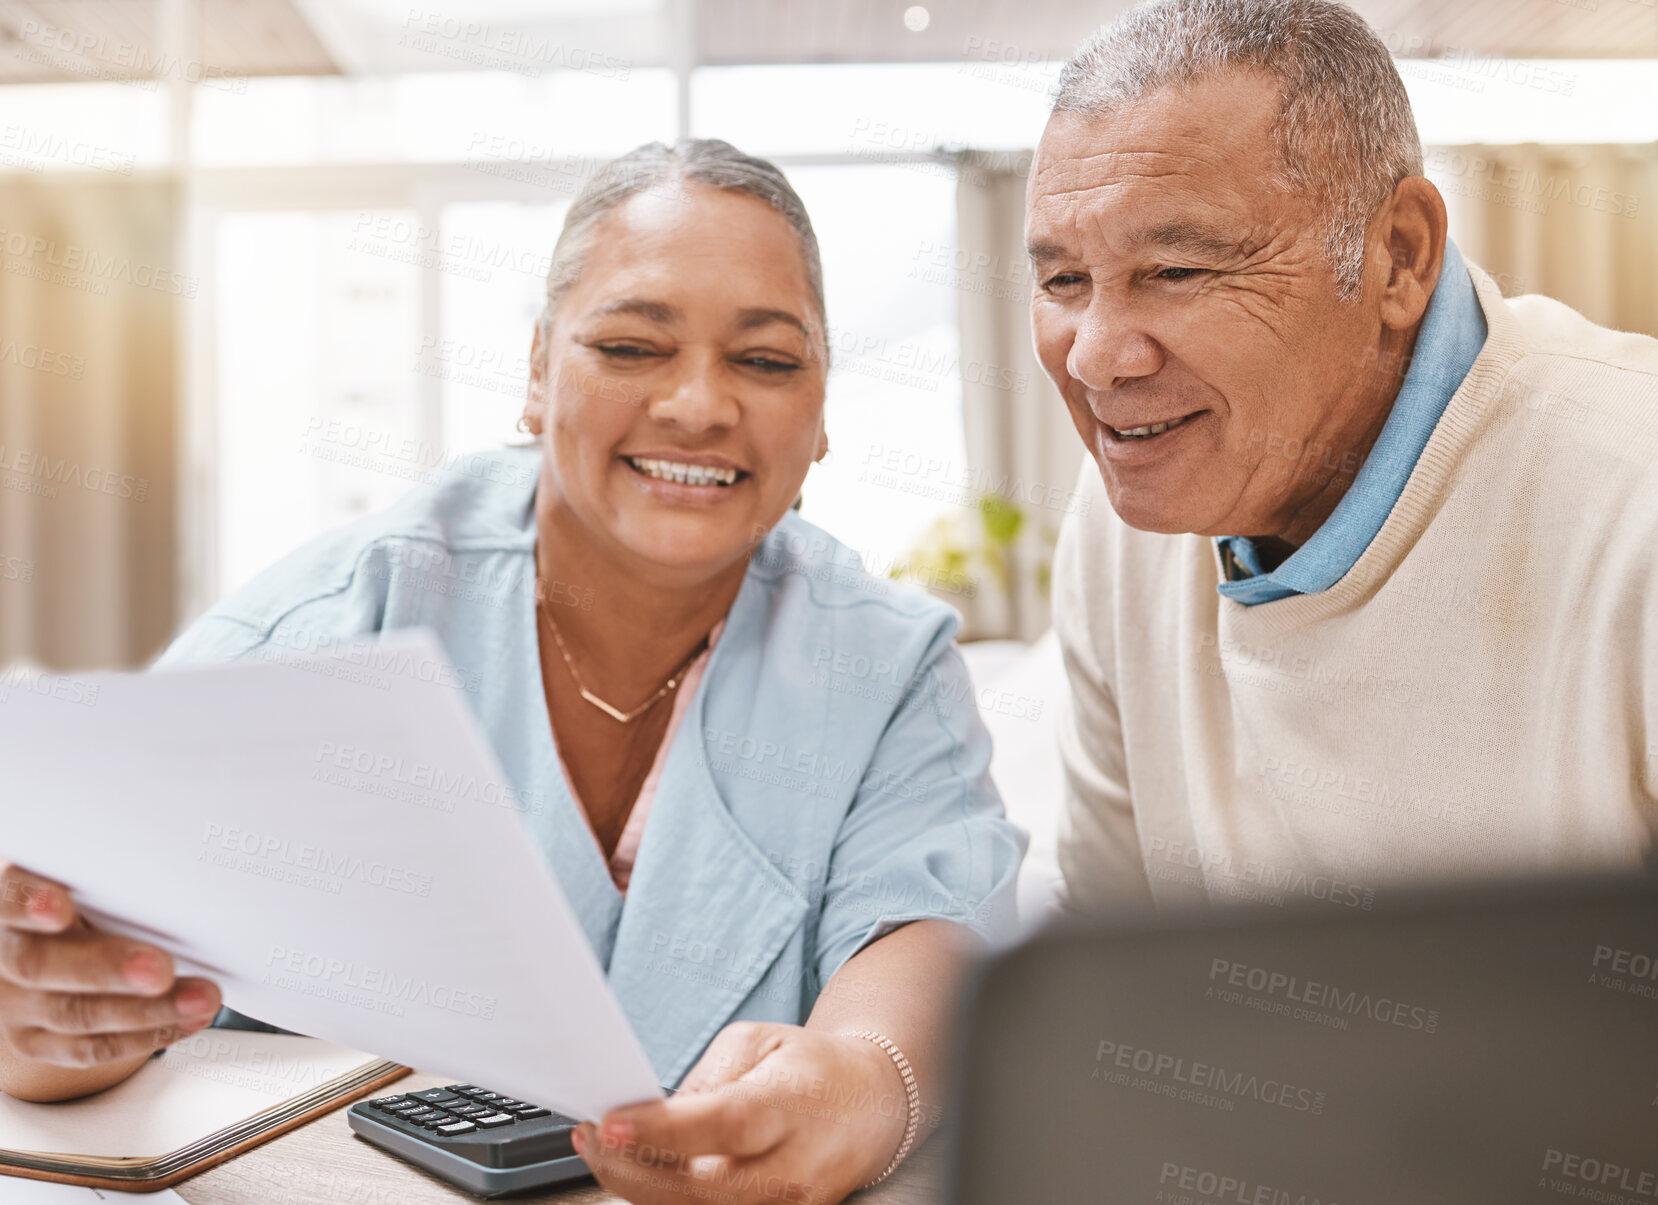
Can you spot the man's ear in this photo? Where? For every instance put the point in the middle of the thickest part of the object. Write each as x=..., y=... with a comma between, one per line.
x=535, y=399
x=1414, y=227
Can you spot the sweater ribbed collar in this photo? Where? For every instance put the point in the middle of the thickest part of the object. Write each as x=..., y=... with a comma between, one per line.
x=1465, y=416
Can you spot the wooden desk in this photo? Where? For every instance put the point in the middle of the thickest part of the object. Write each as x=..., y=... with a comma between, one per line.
x=324, y=1163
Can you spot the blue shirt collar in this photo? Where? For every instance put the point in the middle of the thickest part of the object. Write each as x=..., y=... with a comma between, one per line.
x=1453, y=331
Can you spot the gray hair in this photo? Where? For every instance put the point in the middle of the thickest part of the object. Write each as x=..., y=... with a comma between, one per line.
x=658, y=168
x=1346, y=134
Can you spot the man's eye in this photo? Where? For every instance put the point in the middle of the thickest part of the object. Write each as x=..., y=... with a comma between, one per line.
x=1063, y=280
x=624, y=351
x=769, y=365
x=1177, y=273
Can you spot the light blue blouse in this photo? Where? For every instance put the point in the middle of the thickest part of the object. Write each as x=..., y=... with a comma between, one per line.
x=828, y=784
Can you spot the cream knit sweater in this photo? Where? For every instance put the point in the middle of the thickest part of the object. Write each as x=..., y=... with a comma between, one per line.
x=1478, y=694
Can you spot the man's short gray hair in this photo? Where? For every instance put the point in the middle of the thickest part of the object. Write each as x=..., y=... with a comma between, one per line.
x=667, y=170
x=1346, y=134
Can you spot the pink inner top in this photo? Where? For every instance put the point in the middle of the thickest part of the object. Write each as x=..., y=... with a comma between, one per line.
x=627, y=846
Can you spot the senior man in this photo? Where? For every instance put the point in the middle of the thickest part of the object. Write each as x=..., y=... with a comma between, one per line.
x=1374, y=596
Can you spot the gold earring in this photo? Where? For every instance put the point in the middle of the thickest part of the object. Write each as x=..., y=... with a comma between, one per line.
x=524, y=424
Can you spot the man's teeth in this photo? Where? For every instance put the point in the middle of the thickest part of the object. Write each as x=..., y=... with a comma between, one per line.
x=685, y=474
x=1153, y=429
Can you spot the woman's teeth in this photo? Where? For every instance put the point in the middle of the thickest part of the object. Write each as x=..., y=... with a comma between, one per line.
x=685, y=474
x=1148, y=432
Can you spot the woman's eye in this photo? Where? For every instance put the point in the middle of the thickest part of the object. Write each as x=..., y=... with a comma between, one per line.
x=768, y=364
x=1177, y=273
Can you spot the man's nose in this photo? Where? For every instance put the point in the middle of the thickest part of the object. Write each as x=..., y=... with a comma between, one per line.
x=1110, y=348
x=699, y=397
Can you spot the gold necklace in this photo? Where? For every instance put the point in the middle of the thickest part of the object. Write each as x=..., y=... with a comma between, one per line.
x=615, y=713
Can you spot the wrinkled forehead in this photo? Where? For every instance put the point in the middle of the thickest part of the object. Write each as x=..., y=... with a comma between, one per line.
x=1222, y=116
x=1169, y=158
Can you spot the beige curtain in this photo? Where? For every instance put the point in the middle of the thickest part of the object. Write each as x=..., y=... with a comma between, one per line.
x=1578, y=223
x=90, y=291
x=1020, y=442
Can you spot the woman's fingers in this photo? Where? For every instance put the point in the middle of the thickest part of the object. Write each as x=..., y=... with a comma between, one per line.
x=771, y=1124
x=191, y=1005
x=92, y=1050
x=735, y=1051
x=735, y=1119
x=84, y=960
x=28, y=901
x=71, y=996
x=679, y=1148
x=648, y=1175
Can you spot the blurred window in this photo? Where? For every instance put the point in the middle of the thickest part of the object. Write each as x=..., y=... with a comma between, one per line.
x=317, y=415
x=100, y=127
x=389, y=296
x=442, y=117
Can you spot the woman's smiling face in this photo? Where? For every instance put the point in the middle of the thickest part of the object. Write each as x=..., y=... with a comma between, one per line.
x=679, y=392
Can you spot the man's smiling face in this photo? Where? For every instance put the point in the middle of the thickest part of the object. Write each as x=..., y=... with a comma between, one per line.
x=1178, y=282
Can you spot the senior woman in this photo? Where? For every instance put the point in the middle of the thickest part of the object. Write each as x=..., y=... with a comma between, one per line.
x=781, y=863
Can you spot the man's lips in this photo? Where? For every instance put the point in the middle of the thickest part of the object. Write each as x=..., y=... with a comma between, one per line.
x=1141, y=429
x=1134, y=452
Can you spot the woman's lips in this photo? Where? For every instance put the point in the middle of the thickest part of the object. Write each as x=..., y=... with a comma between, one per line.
x=686, y=472
x=684, y=483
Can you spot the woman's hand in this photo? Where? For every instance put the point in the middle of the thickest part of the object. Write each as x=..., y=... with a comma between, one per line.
x=79, y=1009
x=771, y=1113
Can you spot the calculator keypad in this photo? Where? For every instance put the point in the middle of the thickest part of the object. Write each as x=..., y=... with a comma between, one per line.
x=461, y=1109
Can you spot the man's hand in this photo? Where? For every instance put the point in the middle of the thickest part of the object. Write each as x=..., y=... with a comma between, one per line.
x=79, y=1009
x=771, y=1113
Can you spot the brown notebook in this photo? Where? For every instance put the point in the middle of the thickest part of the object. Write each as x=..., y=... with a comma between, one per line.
x=212, y=1096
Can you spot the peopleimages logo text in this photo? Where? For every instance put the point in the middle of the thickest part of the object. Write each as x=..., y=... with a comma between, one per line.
x=425, y=776
x=1323, y=995
x=348, y=974
x=1229, y=1190
x=1207, y=1076
x=95, y=265
x=1602, y=1173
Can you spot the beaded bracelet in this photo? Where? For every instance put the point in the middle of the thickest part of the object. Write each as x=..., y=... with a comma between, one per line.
x=911, y=1092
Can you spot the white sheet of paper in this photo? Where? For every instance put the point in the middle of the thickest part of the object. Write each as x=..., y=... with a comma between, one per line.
x=334, y=842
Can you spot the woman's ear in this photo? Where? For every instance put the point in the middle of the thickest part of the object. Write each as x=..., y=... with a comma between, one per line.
x=534, y=418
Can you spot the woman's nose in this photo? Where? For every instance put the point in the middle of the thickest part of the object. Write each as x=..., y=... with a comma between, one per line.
x=699, y=397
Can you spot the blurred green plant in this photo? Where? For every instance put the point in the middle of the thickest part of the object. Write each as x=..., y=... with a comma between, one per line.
x=959, y=551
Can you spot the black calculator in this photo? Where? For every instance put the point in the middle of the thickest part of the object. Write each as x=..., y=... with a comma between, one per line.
x=481, y=1141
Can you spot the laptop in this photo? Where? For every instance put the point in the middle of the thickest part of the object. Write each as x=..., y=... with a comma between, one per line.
x=1494, y=1044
